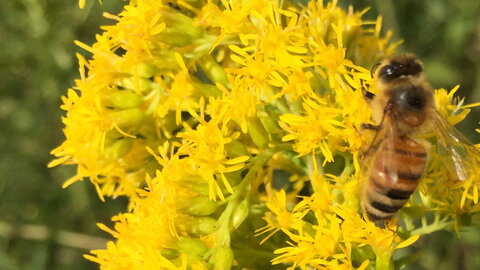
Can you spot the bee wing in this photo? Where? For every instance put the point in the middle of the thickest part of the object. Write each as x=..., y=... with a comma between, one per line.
x=457, y=153
x=384, y=145
x=390, y=167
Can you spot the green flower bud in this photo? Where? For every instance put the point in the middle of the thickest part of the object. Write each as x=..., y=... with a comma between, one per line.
x=240, y=213
x=139, y=84
x=257, y=132
x=199, y=206
x=198, y=185
x=199, y=225
x=205, y=89
x=180, y=29
x=170, y=254
x=213, y=70
x=236, y=149
x=223, y=259
x=118, y=149
x=121, y=100
x=144, y=70
x=269, y=120
x=128, y=118
x=192, y=247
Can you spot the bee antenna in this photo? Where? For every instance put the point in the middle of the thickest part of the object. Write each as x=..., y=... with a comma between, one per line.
x=374, y=68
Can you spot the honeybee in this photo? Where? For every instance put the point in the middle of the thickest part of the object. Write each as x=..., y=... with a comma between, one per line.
x=404, y=109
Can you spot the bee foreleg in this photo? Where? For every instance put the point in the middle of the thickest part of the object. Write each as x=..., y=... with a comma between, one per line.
x=369, y=126
x=369, y=96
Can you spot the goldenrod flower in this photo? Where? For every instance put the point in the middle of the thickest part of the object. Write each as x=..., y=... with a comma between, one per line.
x=233, y=127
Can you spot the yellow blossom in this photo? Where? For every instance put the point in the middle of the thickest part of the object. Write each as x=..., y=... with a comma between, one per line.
x=256, y=103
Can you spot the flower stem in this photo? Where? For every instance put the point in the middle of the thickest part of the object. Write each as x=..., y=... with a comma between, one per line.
x=384, y=261
x=233, y=201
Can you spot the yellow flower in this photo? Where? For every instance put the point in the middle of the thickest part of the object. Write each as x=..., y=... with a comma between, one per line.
x=314, y=130
x=280, y=218
x=257, y=103
x=205, y=148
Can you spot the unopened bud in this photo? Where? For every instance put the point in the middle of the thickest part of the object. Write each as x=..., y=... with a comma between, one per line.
x=199, y=206
x=206, y=89
x=192, y=247
x=118, y=149
x=144, y=70
x=257, y=132
x=269, y=120
x=121, y=100
x=127, y=118
x=137, y=84
x=223, y=259
x=198, y=185
x=236, y=149
x=214, y=71
x=240, y=213
x=199, y=225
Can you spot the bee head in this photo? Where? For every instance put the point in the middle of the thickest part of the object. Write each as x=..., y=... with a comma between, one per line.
x=398, y=66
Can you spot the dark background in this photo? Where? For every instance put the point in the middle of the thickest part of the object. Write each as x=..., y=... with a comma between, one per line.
x=38, y=65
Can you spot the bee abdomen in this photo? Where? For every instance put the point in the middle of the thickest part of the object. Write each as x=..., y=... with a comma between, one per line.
x=393, y=178
x=380, y=204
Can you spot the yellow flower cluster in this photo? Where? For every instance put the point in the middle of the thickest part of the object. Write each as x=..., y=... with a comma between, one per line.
x=214, y=117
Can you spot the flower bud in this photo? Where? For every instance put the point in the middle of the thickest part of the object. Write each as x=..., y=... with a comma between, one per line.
x=198, y=185
x=198, y=206
x=138, y=84
x=223, y=259
x=257, y=132
x=205, y=89
x=192, y=247
x=121, y=100
x=180, y=30
x=213, y=70
x=236, y=149
x=128, y=118
x=118, y=149
x=144, y=70
x=269, y=120
x=199, y=225
x=240, y=213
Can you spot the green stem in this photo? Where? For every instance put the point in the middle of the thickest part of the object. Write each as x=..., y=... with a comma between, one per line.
x=384, y=261
x=233, y=201
x=437, y=225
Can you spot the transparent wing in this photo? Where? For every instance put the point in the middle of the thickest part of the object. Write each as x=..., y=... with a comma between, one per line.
x=380, y=155
x=457, y=153
x=388, y=154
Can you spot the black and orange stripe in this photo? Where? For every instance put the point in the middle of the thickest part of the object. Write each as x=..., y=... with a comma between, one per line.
x=396, y=168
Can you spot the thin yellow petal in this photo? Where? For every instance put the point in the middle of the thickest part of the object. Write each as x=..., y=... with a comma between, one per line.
x=412, y=239
x=363, y=265
x=226, y=183
x=236, y=160
x=81, y=3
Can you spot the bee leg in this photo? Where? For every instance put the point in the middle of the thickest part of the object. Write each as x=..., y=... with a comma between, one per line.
x=389, y=222
x=369, y=126
x=369, y=96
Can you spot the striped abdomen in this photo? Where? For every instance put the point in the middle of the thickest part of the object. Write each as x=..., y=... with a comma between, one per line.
x=393, y=177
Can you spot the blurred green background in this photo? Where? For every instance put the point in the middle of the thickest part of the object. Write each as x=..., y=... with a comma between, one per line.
x=38, y=65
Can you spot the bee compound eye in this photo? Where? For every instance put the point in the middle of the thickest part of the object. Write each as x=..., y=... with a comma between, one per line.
x=386, y=71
